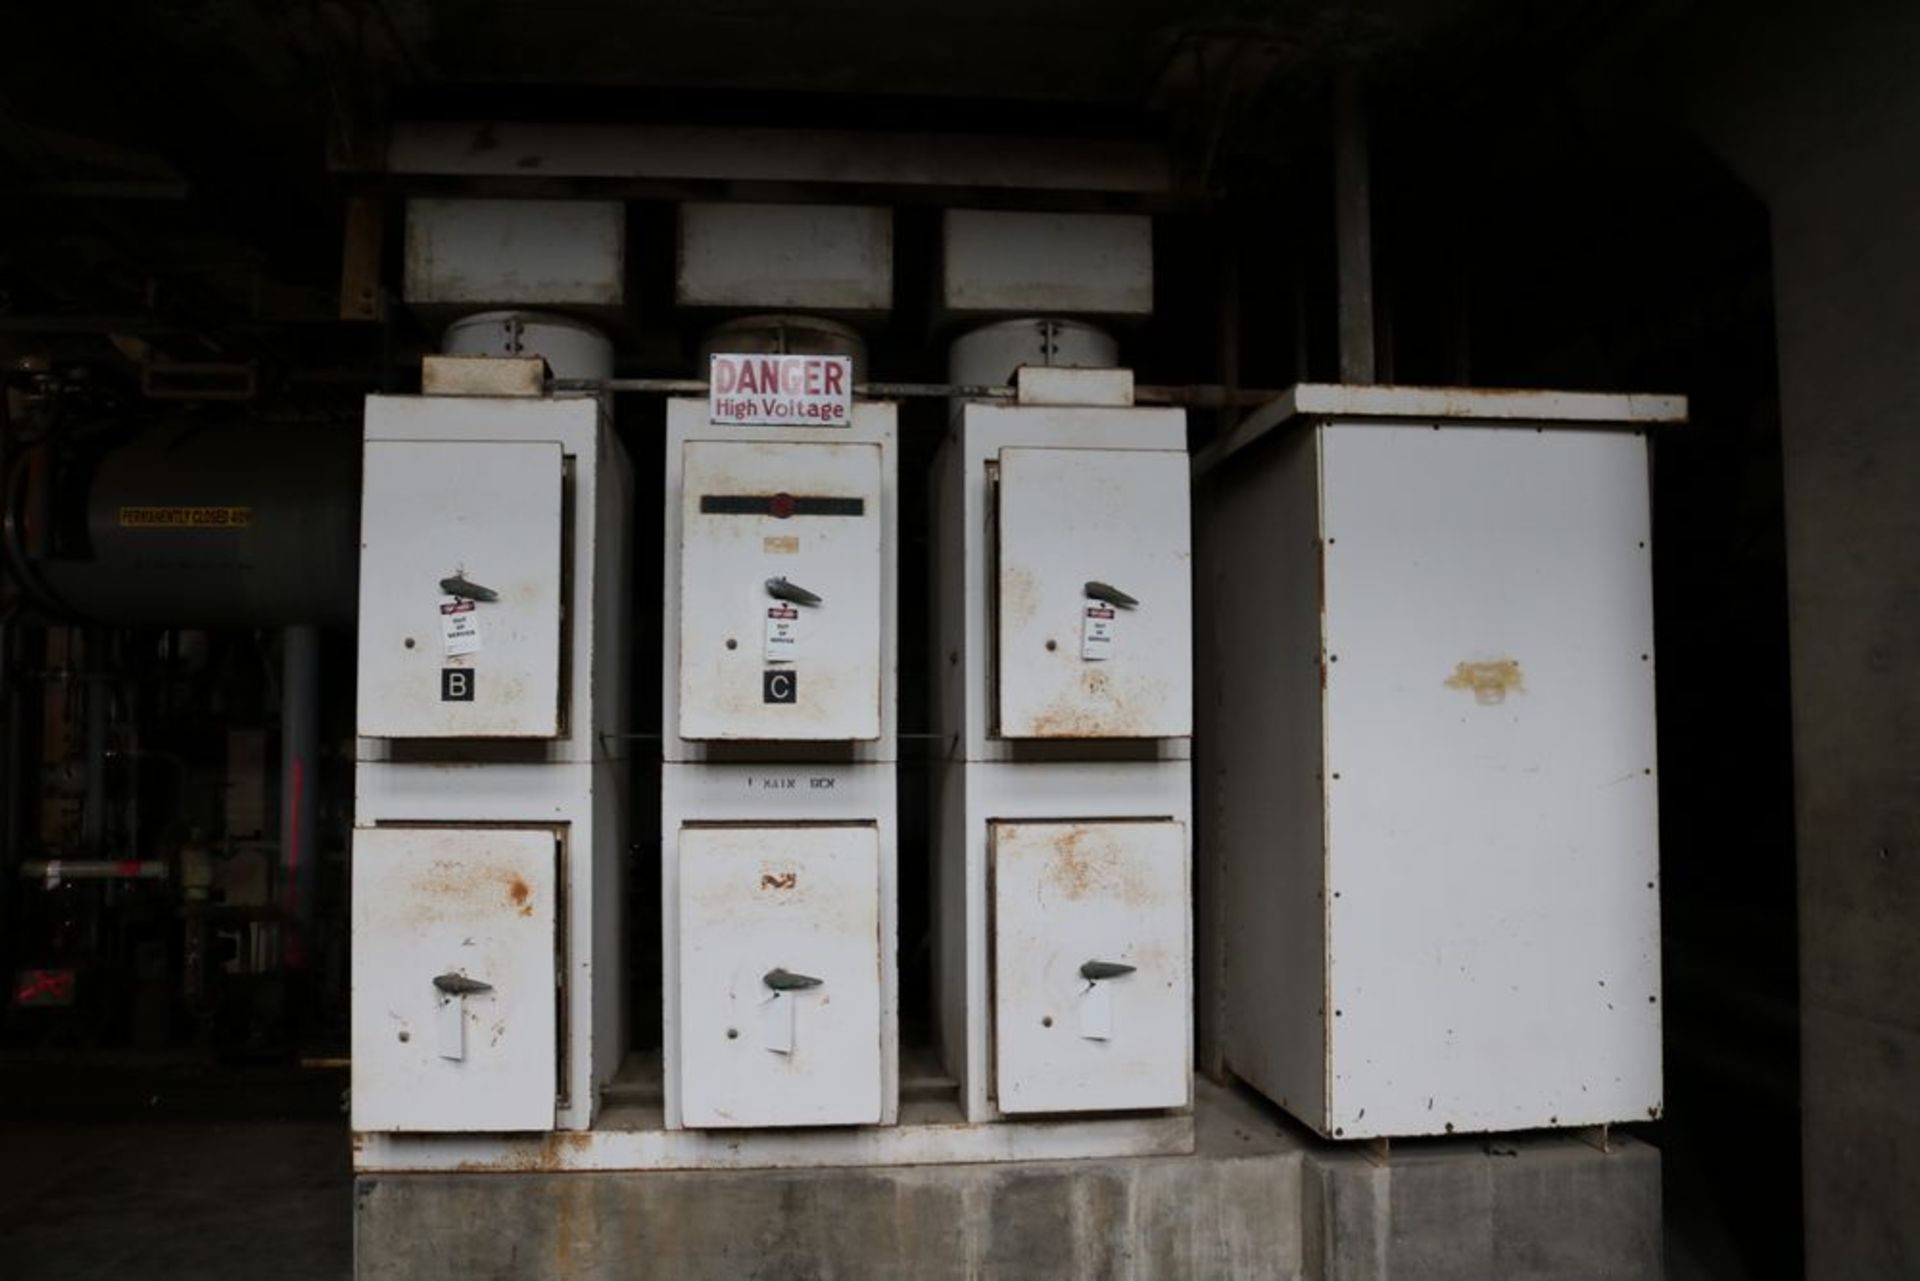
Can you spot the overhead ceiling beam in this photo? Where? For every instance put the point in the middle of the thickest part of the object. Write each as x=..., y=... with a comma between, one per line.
x=702, y=153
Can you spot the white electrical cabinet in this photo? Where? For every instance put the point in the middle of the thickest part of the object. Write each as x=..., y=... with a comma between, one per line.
x=778, y=881
x=454, y=1001
x=1093, y=594
x=1090, y=965
x=486, y=875
x=1430, y=761
x=1063, y=678
x=781, y=555
x=1063, y=565
x=780, y=592
x=460, y=589
x=780, y=975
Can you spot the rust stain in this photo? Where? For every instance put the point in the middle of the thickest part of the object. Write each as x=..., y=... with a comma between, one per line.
x=1106, y=704
x=1490, y=682
x=781, y=881
x=452, y=889
x=1087, y=863
x=550, y=1154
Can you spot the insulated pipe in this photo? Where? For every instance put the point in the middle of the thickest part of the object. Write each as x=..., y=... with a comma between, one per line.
x=1353, y=230
x=299, y=790
x=222, y=525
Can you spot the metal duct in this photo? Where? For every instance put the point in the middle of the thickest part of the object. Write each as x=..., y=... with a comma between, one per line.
x=231, y=525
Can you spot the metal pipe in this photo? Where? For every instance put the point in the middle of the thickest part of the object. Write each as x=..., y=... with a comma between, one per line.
x=54, y=871
x=239, y=524
x=93, y=806
x=299, y=791
x=1353, y=230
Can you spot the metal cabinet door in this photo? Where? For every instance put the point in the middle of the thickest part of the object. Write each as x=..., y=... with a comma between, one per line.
x=807, y=518
x=454, y=1004
x=779, y=976
x=1091, y=977
x=488, y=512
x=1083, y=532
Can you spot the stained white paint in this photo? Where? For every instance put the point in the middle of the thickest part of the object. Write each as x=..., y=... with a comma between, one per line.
x=726, y=561
x=754, y=900
x=715, y=572
x=1069, y=517
x=967, y=584
x=576, y=783
x=974, y=796
x=1480, y=845
x=486, y=510
x=1065, y=894
x=479, y=903
x=646, y=1148
x=776, y=799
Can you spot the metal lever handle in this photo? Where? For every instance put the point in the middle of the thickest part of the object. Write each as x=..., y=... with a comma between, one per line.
x=459, y=586
x=1094, y=971
x=1110, y=594
x=460, y=985
x=787, y=981
x=781, y=589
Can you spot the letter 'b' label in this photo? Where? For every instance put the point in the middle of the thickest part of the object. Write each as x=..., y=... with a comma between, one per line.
x=456, y=684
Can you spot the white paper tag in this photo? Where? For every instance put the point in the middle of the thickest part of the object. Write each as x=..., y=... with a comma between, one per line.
x=451, y=1027
x=1096, y=632
x=460, y=625
x=783, y=633
x=1096, y=1012
x=776, y=1023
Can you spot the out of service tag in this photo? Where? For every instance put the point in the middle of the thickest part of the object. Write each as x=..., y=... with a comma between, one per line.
x=783, y=633
x=1096, y=631
x=459, y=625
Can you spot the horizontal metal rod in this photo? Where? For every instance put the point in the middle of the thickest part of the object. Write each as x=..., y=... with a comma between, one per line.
x=1206, y=396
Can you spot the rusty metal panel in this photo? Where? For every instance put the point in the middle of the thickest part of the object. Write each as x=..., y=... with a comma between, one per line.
x=1091, y=966
x=556, y=253
x=779, y=975
x=460, y=584
x=1491, y=854
x=453, y=979
x=1094, y=594
x=780, y=591
x=825, y=257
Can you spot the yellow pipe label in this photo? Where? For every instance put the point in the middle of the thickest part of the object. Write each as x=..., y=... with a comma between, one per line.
x=185, y=517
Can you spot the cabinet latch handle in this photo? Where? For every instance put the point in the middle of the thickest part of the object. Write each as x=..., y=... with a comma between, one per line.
x=460, y=985
x=1110, y=594
x=1094, y=971
x=781, y=589
x=787, y=981
x=459, y=586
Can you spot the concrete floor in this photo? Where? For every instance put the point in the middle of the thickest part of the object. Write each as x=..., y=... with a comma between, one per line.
x=138, y=1171
x=176, y=1200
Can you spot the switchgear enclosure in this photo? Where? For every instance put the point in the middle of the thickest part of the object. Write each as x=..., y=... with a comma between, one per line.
x=1430, y=768
x=815, y=510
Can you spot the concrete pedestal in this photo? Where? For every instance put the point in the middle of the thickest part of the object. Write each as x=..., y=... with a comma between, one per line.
x=1256, y=1200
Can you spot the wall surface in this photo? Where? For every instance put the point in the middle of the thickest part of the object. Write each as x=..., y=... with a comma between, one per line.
x=1820, y=112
